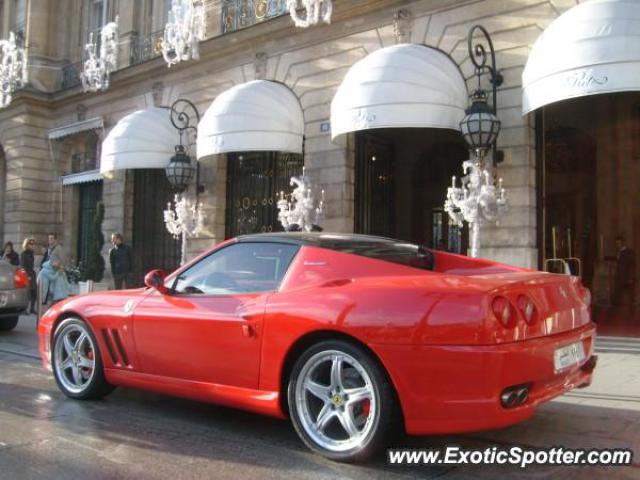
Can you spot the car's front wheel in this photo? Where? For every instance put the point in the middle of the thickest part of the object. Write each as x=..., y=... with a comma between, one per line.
x=77, y=364
x=341, y=401
x=7, y=324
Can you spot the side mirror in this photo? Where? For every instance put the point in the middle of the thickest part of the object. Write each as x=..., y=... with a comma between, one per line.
x=155, y=279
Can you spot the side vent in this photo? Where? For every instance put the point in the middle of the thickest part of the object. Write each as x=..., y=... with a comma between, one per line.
x=121, y=350
x=109, y=344
x=117, y=352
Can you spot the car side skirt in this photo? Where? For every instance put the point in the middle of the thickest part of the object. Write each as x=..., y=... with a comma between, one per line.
x=258, y=401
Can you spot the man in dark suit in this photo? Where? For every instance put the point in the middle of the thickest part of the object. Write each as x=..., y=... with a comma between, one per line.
x=625, y=277
x=121, y=262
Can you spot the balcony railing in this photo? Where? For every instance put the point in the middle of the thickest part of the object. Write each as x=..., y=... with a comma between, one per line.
x=239, y=14
x=146, y=47
x=227, y=16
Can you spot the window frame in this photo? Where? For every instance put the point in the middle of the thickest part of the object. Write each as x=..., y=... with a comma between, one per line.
x=172, y=281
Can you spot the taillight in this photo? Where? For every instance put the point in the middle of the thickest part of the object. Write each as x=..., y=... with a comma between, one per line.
x=503, y=312
x=527, y=308
x=585, y=295
x=20, y=279
x=583, y=292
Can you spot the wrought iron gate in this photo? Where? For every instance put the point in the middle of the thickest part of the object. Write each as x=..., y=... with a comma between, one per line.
x=254, y=181
x=153, y=246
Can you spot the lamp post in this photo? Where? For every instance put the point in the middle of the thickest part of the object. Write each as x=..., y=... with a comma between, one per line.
x=478, y=200
x=13, y=68
x=299, y=213
x=185, y=218
x=98, y=66
x=184, y=31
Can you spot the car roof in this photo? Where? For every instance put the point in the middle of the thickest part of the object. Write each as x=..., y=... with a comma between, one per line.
x=322, y=239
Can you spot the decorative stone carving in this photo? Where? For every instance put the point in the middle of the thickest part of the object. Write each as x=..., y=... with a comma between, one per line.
x=81, y=112
x=402, y=25
x=260, y=65
x=157, y=89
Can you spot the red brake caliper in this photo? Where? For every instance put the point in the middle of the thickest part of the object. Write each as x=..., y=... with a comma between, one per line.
x=366, y=407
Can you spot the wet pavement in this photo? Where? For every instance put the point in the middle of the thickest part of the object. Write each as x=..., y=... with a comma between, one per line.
x=133, y=434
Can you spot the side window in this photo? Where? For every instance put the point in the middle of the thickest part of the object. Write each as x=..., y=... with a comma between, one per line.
x=239, y=268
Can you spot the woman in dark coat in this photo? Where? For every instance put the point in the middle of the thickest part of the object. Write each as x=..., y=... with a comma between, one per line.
x=10, y=255
x=27, y=262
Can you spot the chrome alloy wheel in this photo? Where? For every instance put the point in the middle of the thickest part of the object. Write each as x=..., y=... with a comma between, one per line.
x=74, y=358
x=336, y=400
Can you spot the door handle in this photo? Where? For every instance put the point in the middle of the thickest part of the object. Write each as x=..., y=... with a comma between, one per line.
x=248, y=330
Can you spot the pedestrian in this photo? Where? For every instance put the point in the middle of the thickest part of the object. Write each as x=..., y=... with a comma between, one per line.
x=53, y=282
x=55, y=253
x=10, y=255
x=52, y=277
x=624, y=280
x=121, y=263
x=27, y=262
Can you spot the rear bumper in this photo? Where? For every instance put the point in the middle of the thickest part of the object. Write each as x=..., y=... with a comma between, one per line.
x=450, y=389
x=13, y=302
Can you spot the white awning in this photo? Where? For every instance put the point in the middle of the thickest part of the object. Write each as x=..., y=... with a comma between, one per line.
x=592, y=48
x=82, y=177
x=142, y=139
x=260, y=115
x=73, y=128
x=397, y=87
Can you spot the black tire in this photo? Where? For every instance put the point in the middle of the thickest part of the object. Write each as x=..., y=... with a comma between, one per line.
x=7, y=324
x=98, y=386
x=387, y=421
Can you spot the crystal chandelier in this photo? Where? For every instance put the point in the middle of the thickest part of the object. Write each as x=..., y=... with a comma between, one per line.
x=184, y=219
x=97, y=68
x=13, y=69
x=184, y=30
x=300, y=213
x=477, y=201
x=314, y=11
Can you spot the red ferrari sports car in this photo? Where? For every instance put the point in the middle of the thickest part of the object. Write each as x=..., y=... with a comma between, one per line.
x=353, y=337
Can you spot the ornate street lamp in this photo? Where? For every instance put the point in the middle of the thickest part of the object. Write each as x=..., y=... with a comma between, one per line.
x=13, y=69
x=184, y=218
x=480, y=127
x=478, y=200
x=98, y=67
x=306, y=13
x=181, y=170
x=184, y=31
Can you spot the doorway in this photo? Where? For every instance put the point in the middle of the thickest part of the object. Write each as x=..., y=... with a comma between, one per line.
x=401, y=183
x=590, y=215
x=90, y=195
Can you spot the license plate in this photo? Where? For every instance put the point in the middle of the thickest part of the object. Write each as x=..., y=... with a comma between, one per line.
x=568, y=356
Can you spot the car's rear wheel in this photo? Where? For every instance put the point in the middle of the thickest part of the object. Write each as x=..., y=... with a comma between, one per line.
x=341, y=401
x=7, y=324
x=77, y=363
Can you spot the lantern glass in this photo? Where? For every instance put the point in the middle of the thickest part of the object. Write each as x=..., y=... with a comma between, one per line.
x=180, y=170
x=480, y=127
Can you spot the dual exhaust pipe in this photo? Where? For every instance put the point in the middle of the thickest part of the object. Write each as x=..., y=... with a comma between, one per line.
x=515, y=395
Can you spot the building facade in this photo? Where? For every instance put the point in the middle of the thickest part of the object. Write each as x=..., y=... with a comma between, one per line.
x=570, y=166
